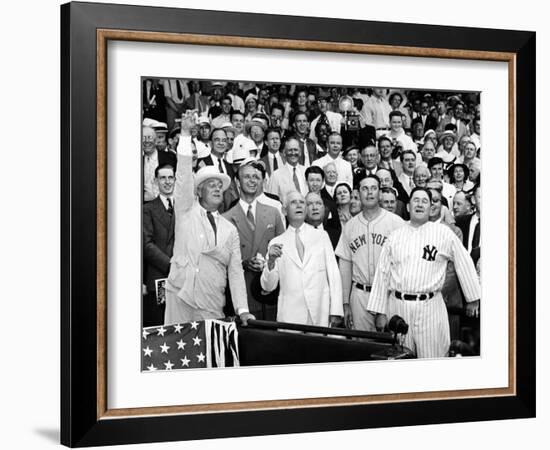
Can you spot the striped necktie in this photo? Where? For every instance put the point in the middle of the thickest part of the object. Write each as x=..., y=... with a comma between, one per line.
x=295, y=179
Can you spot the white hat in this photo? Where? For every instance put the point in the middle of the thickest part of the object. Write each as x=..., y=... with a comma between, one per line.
x=208, y=172
x=203, y=120
x=150, y=122
x=240, y=153
x=160, y=127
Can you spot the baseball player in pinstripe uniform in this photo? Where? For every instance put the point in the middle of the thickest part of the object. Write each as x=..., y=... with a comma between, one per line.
x=410, y=274
x=359, y=247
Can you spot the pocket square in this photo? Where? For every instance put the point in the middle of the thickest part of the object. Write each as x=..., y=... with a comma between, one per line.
x=270, y=225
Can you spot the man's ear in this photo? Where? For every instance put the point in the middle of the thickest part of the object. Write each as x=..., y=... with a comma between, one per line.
x=408, y=209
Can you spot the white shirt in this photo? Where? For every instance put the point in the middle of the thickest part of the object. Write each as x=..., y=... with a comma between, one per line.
x=343, y=168
x=473, y=222
x=171, y=90
x=377, y=112
x=407, y=182
x=277, y=156
x=237, y=102
x=406, y=141
x=164, y=200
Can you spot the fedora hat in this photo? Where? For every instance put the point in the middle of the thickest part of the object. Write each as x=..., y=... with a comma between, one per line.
x=208, y=172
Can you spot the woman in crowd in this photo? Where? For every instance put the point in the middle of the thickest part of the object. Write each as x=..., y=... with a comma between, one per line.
x=458, y=177
x=342, y=196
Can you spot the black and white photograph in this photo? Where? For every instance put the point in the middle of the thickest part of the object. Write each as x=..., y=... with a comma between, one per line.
x=296, y=224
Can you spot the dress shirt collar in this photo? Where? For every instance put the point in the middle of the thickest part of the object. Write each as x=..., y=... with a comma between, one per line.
x=164, y=200
x=244, y=206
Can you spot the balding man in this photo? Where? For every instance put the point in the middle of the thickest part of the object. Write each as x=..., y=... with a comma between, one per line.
x=302, y=262
x=206, y=248
x=152, y=159
x=290, y=177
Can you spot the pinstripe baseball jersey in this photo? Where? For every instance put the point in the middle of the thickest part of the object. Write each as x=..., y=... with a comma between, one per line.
x=362, y=240
x=414, y=261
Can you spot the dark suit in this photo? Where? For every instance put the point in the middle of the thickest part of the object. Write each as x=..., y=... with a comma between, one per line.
x=157, y=111
x=430, y=124
x=332, y=219
x=265, y=160
x=158, y=244
x=268, y=224
x=361, y=138
x=232, y=192
x=309, y=146
x=464, y=223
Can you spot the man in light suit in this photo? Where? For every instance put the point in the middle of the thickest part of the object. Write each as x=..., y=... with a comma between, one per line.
x=302, y=262
x=206, y=247
x=257, y=224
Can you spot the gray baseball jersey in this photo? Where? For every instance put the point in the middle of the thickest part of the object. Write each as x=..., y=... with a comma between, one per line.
x=361, y=243
x=362, y=240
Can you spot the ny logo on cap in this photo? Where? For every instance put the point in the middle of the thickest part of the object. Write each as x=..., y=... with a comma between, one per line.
x=430, y=252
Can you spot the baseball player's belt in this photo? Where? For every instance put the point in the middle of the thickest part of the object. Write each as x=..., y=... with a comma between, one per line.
x=362, y=286
x=413, y=297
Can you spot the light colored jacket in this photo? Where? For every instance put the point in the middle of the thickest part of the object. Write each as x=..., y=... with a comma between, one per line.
x=200, y=266
x=311, y=289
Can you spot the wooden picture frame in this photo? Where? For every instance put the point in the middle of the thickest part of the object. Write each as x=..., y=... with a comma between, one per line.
x=85, y=30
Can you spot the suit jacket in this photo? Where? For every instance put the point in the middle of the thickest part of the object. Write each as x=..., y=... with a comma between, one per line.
x=332, y=219
x=232, y=192
x=430, y=124
x=464, y=223
x=309, y=289
x=265, y=160
x=268, y=224
x=158, y=241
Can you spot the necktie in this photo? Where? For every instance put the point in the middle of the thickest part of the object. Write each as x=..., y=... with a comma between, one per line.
x=411, y=184
x=170, y=206
x=475, y=240
x=299, y=245
x=213, y=223
x=178, y=87
x=220, y=167
x=275, y=164
x=250, y=218
x=295, y=179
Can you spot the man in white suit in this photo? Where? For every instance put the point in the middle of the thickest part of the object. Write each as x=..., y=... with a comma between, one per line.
x=206, y=246
x=302, y=262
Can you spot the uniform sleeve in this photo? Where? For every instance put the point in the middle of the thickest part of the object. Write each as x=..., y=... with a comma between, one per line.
x=342, y=249
x=236, y=275
x=378, y=299
x=465, y=269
